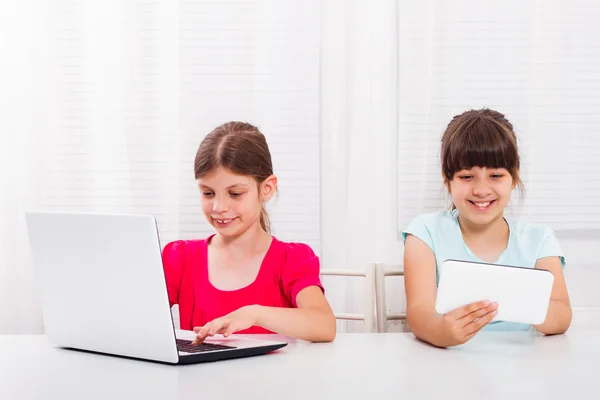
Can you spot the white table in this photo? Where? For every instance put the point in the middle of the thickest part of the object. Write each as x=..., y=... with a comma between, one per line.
x=494, y=365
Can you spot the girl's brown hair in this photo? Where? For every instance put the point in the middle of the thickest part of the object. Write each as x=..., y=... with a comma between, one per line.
x=242, y=149
x=480, y=138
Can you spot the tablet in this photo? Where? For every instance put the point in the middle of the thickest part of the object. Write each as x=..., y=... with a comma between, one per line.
x=522, y=294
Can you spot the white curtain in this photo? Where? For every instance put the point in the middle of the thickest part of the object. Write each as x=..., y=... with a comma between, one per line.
x=358, y=142
x=87, y=106
x=19, y=164
x=103, y=105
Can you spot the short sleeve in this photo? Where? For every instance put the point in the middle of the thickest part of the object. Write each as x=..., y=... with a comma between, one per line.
x=173, y=256
x=550, y=247
x=301, y=270
x=418, y=228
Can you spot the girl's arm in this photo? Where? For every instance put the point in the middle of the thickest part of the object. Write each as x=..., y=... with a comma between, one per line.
x=313, y=320
x=450, y=329
x=558, y=318
x=419, y=284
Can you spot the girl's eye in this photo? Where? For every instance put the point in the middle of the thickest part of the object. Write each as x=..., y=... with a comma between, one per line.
x=207, y=194
x=235, y=194
x=465, y=177
x=496, y=176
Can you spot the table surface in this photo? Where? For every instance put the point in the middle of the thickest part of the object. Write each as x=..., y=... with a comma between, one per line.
x=493, y=365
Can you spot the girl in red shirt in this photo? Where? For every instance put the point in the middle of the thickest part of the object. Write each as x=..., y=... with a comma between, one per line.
x=242, y=279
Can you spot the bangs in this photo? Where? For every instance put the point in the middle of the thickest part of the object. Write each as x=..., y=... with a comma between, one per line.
x=482, y=143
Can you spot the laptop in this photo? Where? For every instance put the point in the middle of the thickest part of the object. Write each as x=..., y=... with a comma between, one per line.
x=522, y=294
x=102, y=289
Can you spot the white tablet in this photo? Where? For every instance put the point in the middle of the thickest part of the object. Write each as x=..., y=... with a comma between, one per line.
x=522, y=294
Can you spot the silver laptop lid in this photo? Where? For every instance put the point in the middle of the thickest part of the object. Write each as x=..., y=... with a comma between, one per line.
x=101, y=283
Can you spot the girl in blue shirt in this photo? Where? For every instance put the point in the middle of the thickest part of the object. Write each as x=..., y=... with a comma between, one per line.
x=480, y=168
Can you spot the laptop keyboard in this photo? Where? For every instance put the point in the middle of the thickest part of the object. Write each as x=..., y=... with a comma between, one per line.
x=187, y=346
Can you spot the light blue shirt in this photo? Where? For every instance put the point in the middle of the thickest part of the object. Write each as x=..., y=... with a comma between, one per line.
x=526, y=244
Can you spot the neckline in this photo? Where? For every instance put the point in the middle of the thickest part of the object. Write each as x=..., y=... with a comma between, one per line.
x=471, y=253
x=258, y=275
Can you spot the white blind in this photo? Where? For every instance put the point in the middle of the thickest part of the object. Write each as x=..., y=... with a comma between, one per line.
x=537, y=62
x=130, y=88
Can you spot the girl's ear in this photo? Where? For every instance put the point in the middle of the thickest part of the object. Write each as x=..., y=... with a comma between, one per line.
x=268, y=188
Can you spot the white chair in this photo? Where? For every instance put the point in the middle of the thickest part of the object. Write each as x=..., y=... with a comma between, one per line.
x=383, y=271
x=368, y=316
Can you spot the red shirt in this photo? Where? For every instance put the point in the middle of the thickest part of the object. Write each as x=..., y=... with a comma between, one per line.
x=286, y=269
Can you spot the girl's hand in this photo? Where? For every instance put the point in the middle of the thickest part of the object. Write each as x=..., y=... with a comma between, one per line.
x=463, y=323
x=240, y=319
